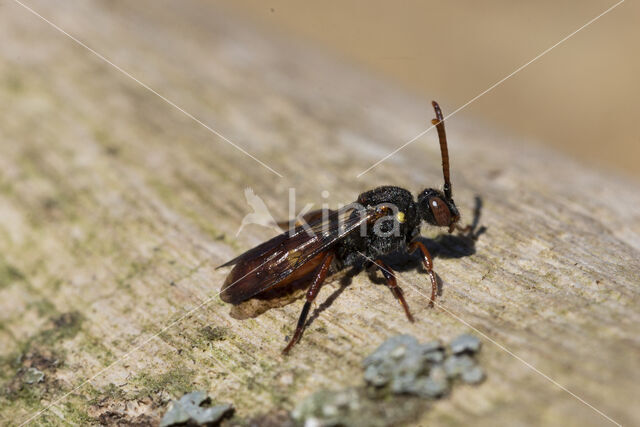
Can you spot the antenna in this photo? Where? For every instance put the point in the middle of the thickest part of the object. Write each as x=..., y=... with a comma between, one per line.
x=438, y=122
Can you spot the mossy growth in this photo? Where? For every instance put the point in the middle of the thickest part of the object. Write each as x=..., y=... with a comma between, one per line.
x=69, y=412
x=65, y=326
x=175, y=382
x=44, y=307
x=9, y=274
x=75, y=412
x=42, y=347
x=216, y=333
x=21, y=394
x=113, y=391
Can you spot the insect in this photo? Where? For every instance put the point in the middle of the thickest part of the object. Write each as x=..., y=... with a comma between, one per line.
x=382, y=221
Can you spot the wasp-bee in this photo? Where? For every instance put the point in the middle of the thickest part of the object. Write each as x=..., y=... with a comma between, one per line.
x=382, y=221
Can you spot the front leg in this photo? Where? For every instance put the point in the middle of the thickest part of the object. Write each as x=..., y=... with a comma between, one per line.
x=428, y=265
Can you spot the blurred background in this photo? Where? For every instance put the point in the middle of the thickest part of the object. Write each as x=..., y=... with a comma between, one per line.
x=581, y=97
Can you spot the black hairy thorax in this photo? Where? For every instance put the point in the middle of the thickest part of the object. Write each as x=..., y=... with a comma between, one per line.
x=389, y=234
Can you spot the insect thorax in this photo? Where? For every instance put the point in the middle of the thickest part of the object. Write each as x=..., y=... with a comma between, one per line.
x=387, y=235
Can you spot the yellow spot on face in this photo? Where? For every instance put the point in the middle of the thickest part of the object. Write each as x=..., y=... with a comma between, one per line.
x=400, y=217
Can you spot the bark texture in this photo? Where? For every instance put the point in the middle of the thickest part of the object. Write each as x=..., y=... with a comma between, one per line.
x=115, y=208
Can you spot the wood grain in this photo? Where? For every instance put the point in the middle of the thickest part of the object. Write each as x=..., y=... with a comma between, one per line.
x=116, y=207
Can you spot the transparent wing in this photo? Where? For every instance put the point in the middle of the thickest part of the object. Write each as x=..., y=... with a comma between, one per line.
x=275, y=260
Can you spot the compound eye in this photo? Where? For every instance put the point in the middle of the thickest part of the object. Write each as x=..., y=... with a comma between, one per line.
x=440, y=211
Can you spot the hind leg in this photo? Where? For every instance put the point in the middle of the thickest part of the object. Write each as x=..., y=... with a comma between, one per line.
x=321, y=274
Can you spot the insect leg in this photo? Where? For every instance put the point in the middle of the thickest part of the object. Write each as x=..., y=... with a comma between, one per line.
x=464, y=230
x=321, y=274
x=428, y=265
x=393, y=285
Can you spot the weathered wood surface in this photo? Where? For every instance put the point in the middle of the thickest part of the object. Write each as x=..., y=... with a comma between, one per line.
x=115, y=208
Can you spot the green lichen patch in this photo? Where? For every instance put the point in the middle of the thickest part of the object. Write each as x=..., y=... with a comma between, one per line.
x=195, y=408
x=354, y=407
x=33, y=379
x=31, y=375
x=41, y=359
